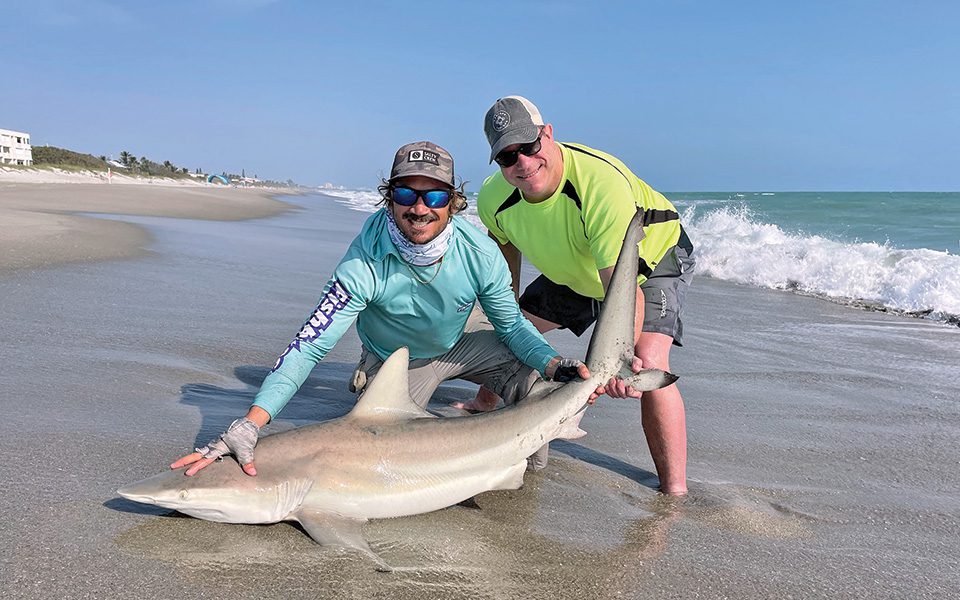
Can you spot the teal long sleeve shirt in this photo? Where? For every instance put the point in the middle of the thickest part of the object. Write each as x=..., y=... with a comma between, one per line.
x=394, y=307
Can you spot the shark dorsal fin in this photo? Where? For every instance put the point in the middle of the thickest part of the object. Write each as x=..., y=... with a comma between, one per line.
x=387, y=395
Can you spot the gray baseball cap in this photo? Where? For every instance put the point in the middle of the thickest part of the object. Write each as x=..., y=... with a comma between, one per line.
x=423, y=158
x=511, y=120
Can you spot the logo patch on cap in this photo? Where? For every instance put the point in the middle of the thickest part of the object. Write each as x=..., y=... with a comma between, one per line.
x=424, y=156
x=501, y=120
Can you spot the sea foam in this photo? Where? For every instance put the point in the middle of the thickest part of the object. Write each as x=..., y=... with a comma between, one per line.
x=731, y=244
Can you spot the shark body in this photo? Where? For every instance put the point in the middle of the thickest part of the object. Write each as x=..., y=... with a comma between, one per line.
x=390, y=458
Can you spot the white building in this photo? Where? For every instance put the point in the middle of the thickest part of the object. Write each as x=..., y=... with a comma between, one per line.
x=15, y=148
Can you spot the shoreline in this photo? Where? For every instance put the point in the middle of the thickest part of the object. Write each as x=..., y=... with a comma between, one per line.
x=43, y=224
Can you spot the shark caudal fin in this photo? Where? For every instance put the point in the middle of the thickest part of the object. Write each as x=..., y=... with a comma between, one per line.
x=612, y=340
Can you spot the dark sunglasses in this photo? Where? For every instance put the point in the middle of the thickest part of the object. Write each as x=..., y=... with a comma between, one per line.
x=405, y=196
x=508, y=158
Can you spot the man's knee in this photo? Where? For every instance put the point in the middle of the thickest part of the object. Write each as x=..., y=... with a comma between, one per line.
x=654, y=350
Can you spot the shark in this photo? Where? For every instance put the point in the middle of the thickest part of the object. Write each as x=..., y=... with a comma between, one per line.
x=388, y=457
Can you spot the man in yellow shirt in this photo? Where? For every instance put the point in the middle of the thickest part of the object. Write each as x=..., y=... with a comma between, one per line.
x=566, y=208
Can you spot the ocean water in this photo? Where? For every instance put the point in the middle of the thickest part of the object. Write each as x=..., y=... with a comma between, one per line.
x=889, y=251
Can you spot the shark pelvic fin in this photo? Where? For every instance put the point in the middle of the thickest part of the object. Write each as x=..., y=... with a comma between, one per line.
x=512, y=478
x=339, y=532
x=387, y=397
x=571, y=427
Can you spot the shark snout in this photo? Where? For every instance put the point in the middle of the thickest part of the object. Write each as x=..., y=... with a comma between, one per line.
x=136, y=493
x=160, y=489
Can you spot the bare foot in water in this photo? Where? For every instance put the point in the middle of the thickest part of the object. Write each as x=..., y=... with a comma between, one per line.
x=484, y=402
x=674, y=490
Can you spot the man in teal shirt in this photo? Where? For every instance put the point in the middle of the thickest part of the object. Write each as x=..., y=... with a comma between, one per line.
x=412, y=277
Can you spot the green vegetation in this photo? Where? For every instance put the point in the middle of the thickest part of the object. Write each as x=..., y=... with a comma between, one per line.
x=58, y=157
x=150, y=168
x=61, y=158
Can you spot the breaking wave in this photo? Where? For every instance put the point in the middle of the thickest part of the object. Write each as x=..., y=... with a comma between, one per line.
x=731, y=244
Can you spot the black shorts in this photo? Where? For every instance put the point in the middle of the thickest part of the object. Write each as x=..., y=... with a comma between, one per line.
x=664, y=292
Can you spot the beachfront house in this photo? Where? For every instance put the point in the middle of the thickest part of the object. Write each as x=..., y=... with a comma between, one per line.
x=15, y=148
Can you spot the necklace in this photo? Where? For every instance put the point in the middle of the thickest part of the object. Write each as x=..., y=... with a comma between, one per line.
x=417, y=277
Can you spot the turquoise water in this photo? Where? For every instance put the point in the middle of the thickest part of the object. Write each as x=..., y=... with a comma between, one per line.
x=909, y=220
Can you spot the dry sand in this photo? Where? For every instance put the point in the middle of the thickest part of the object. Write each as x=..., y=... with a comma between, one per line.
x=40, y=224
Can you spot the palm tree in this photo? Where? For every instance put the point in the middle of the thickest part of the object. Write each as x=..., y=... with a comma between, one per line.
x=125, y=158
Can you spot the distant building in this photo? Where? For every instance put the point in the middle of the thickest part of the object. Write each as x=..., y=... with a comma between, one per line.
x=15, y=148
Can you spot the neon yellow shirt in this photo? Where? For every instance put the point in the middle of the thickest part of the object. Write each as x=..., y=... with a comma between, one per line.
x=577, y=231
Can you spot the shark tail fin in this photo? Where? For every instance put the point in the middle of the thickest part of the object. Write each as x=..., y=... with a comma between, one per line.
x=613, y=334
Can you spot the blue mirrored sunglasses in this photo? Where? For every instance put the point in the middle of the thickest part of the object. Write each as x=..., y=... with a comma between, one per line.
x=405, y=196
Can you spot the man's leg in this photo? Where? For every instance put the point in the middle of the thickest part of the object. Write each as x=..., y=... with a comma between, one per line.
x=486, y=400
x=478, y=356
x=664, y=418
x=659, y=308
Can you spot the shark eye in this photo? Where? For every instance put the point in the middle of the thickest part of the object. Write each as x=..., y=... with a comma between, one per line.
x=183, y=494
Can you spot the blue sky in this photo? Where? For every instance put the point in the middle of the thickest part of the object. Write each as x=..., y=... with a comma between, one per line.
x=710, y=96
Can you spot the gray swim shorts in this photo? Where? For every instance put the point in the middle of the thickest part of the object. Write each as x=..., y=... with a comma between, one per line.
x=479, y=356
x=664, y=292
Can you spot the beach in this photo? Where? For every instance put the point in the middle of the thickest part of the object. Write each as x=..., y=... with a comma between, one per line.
x=138, y=321
x=39, y=225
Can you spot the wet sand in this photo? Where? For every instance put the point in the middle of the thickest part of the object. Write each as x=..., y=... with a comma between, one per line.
x=39, y=225
x=823, y=440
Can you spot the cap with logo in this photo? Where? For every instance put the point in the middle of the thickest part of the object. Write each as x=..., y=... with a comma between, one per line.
x=423, y=158
x=511, y=120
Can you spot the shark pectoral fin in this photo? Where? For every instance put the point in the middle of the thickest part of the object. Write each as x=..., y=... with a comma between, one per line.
x=648, y=379
x=570, y=429
x=340, y=532
x=387, y=397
